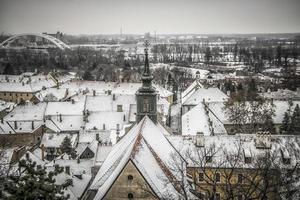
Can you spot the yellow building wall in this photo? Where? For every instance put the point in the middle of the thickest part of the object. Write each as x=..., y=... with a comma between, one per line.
x=138, y=187
x=209, y=175
x=15, y=96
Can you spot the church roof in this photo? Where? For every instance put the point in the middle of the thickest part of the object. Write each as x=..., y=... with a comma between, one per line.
x=150, y=151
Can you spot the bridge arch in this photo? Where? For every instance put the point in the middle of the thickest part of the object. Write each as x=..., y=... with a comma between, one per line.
x=61, y=45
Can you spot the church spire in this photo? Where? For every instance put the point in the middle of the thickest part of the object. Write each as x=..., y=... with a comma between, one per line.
x=146, y=76
x=146, y=95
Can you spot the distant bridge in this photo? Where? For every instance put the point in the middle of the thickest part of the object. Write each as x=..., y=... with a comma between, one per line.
x=58, y=43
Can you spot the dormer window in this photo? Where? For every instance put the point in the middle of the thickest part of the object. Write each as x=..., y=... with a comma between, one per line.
x=119, y=108
x=247, y=156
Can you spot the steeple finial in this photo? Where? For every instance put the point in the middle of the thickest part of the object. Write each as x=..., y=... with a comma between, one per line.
x=146, y=67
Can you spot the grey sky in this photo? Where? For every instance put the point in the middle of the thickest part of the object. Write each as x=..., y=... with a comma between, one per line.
x=139, y=16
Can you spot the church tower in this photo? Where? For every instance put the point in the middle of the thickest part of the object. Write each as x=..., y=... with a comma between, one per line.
x=146, y=95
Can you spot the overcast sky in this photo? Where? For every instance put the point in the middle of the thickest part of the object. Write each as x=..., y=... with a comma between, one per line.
x=140, y=16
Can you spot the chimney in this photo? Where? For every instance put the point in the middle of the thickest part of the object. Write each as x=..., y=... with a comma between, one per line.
x=67, y=168
x=114, y=97
x=94, y=92
x=32, y=125
x=60, y=118
x=43, y=152
x=16, y=125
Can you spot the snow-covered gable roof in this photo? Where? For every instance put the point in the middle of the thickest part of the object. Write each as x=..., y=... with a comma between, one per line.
x=200, y=119
x=190, y=90
x=208, y=94
x=147, y=147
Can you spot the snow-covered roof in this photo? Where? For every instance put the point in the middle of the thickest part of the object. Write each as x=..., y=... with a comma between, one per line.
x=28, y=112
x=147, y=147
x=65, y=108
x=65, y=123
x=208, y=94
x=96, y=120
x=116, y=88
x=222, y=147
x=200, y=120
x=190, y=90
x=54, y=94
x=106, y=102
x=55, y=139
x=6, y=106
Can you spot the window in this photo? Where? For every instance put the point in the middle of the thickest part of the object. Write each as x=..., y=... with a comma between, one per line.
x=208, y=159
x=4, y=93
x=130, y=196
x=146, y=105
x=240, y=178
x=27, y=94
x=217, y=196
x=248, y=160
x=119, y=108
x=130, y=178
x=286, y=161
x=239, y=197
x=201, y=177
x=218, y=177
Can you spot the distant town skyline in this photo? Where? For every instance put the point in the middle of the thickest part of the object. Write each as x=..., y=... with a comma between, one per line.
x=140, y=16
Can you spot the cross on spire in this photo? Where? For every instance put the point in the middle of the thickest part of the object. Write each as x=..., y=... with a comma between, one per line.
x=146, y=67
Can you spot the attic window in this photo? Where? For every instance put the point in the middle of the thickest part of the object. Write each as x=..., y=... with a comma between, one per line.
x=130, y=178
x=130, y=196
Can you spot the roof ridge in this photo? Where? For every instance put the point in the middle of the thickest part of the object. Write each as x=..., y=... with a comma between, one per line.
x=138, y=139
x=164, y=168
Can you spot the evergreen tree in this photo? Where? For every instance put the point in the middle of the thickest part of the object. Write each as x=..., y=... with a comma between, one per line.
x=269, y=125
x=33, y=182
x=286, y=122
x=295, y=121
x=87, y=76
x=66, y=147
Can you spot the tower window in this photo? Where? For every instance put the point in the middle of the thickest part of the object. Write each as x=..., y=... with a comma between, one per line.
x=146, y=105
x=130, y=196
